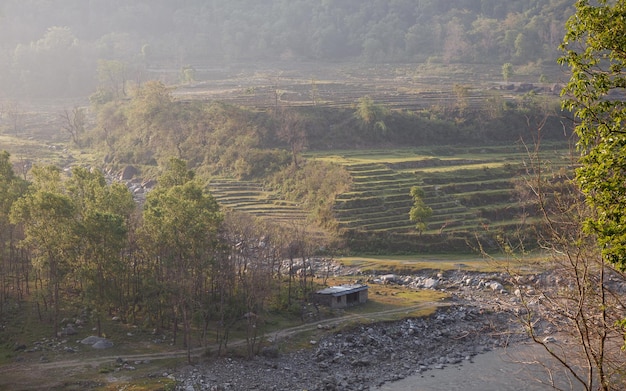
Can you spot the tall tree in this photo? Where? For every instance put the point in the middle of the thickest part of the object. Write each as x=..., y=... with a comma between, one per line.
x=47, y=215
x=588, y=240
x=292, y=131
x=13, y=276
x=103, y=212
x=181, y=222
x=420, y=212
x=595, y=51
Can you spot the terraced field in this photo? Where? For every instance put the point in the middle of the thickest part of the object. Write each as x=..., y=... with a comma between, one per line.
x=251, y=197
x=471, y=192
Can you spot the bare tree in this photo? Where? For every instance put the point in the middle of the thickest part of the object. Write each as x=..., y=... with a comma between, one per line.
x=292, y=131
x=74, y=122
x=15, y=114
x=573, y=309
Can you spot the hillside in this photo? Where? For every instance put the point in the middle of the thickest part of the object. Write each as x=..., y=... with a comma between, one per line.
x=69, y=47
x=474, y=192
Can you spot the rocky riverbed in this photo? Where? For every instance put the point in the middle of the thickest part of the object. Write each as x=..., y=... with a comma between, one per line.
x=479, y=320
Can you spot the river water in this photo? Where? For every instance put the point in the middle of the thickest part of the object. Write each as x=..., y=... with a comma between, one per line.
x=511, y=369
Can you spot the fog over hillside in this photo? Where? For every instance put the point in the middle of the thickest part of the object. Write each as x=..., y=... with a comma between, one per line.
x=53, y=48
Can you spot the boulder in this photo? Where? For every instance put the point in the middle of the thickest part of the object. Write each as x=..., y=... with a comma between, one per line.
x=128, y=173
x=97, y=342
x=431, y=283
x=103, y=344
x=389, y=278
x=90, y=340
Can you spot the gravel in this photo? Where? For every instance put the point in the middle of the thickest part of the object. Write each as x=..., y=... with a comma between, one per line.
x=480, y=319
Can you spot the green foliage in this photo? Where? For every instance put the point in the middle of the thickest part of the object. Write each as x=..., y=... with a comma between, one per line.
x=420, y=212
x=176, y=174
x=179, y=237
x=224, y=140
x=188, y=74
x=11, y=187
x=315, y=185
x=507, y=71
x=47, y=216
x=594, y=48
x=369, y=112
x=111, y=81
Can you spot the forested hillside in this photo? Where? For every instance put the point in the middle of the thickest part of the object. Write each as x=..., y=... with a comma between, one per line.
x=246, y=143
x=52, y=48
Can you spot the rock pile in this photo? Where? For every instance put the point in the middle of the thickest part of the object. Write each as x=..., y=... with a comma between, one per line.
x=365, y=356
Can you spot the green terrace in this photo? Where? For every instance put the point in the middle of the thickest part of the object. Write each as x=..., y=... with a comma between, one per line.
x=470, y=191
x=251, y=197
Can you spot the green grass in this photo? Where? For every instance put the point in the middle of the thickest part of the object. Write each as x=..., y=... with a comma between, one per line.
x=144, y=384
x=415, y=263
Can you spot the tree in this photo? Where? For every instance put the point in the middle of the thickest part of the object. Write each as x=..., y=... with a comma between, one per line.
x=595, y=51
x=587, y=240
x=573, y=309
x=180, y=224
x=462, y=97
x=507, y=71
x=292, y=131
x=74, y=123
x=102, y=214
x=112, y=77
x=52, y=65
x=250, y=263
x=420, y=212
x=371, y=114
x=187, y=74
x=13, y=274
x=47, y=216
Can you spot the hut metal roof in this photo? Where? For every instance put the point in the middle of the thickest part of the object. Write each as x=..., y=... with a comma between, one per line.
x=342, y=290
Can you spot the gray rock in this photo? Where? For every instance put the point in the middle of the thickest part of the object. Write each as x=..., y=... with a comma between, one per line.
x=69, y=330
x=97, y=342
x=128, y=173
x=102, y=344
x=90, y=340
x=430, y=283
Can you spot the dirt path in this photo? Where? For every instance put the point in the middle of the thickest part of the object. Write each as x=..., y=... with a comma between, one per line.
x=48, y=374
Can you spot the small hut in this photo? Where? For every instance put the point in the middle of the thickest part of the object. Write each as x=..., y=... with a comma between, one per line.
x=342, y=296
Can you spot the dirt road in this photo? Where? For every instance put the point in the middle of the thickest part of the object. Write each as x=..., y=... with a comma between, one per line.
x=56, y=374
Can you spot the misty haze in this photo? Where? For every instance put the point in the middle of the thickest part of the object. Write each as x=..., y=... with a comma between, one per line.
x=309, y=195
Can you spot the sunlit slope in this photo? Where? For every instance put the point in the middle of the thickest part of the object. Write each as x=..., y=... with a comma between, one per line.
x=472, y=193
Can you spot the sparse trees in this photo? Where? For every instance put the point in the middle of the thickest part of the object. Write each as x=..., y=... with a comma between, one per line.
x=251, y=267
x=595, y=51
x=584, y=224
